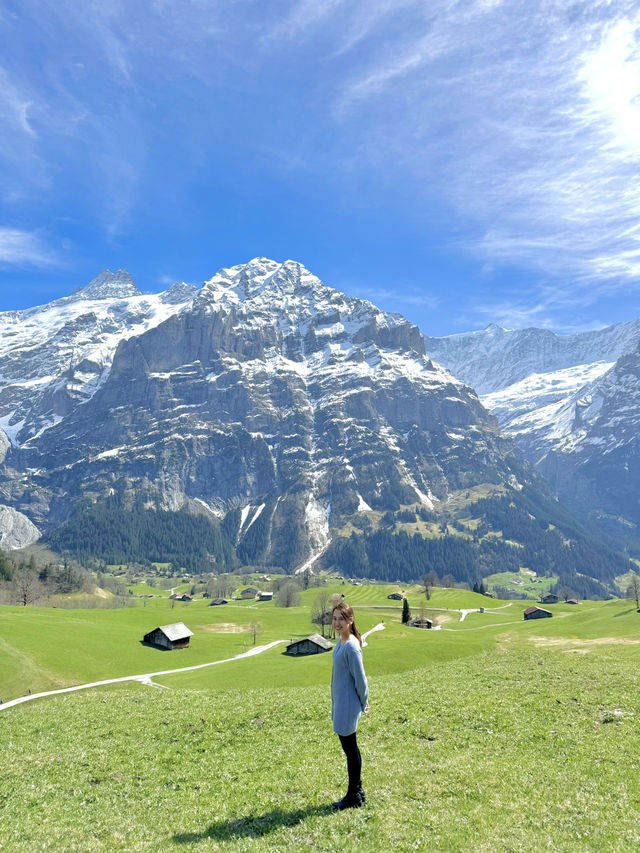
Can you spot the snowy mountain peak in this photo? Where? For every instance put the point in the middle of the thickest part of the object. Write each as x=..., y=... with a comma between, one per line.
x=178, y=292
x=109, y=285
x=263, y=276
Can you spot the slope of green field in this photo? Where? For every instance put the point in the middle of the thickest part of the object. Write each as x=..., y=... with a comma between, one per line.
x=523, y=582
x=46, y=648
x=518, y=747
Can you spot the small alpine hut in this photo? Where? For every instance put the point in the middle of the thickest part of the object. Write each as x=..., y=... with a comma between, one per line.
x=421, y=622
x=249, y=592
x=312, y=645
x=170, y=637
x=216, y=602
x=537, y=613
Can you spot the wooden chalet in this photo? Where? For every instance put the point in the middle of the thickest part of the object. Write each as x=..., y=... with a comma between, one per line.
x=182, y=596
x=312, y=645
x=249, y=592
x=170, y=637
x=264, y=596
x=216, y=602
x=537, y=613
x=421, y=622
x=549, y=598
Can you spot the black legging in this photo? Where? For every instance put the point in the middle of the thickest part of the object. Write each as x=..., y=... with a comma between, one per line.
x=354, y=761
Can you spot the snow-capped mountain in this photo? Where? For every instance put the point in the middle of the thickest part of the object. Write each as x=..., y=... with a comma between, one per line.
x=286, y=412
x=55, y=356
x=572, y=404
x=494, y=359
x=266, y=392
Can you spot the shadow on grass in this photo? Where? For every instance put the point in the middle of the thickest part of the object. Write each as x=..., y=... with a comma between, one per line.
x=254, y=826
x=625, y=612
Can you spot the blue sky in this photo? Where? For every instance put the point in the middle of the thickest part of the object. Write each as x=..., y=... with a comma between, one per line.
x=459, y=162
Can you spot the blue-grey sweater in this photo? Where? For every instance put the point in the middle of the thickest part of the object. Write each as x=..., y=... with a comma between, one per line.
x=349, y=688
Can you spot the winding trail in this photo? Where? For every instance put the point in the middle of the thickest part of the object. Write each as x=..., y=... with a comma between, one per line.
x=379, y=627
x=145, y=678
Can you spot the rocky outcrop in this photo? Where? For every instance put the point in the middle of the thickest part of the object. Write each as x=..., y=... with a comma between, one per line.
x=16, y=530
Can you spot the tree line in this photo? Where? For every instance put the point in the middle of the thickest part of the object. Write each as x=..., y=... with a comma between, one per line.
x=115, y=534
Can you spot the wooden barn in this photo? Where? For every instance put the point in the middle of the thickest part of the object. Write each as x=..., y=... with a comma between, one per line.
x=537, y=613
x=312, y=645
x=549, y=598
x=216, y=602
x=249, y=592
x=264, y=596
x=170, y=637
x=421, y=622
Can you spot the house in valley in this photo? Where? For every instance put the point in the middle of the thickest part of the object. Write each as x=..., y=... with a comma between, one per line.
x=249, y=592
x=169, y=637
x=537, y=613
x=312, y=645
x=421, y=622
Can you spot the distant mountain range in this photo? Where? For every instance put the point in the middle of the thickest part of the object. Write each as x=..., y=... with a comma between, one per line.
x=572, y=404
x=292, y=417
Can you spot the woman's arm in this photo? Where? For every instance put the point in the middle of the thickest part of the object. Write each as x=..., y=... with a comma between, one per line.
x=356, y=668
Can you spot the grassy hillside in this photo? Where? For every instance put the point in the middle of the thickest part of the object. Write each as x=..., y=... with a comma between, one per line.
x=520, y=747
x=46, y=648
x=524, y=582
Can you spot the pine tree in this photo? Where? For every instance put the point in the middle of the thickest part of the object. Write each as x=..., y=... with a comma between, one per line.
x=406, y=613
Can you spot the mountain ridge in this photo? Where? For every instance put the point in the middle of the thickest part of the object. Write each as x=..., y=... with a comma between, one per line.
x=281, y=407
x=572, y=406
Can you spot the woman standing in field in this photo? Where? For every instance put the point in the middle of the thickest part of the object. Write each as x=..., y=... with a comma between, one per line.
x=349, y=694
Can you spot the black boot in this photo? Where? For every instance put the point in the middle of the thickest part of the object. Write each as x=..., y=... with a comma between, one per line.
x=361, y=794
x=349, y=801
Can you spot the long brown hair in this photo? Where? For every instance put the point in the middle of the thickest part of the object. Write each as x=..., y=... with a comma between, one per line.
x=347, y=613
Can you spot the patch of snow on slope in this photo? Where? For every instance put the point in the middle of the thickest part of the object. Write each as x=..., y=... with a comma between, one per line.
x=363, y=506
x=255, y=516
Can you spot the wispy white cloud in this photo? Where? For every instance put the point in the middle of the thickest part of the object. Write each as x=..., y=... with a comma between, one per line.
x=525, y=119
x=14, y=106
x=384, y=296
x=300, y=18
x=518, y=120
x=24, y=248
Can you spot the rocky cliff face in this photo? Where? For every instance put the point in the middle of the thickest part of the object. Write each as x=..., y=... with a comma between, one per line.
x=54, y=357
x=267, y=395
x=572, y=404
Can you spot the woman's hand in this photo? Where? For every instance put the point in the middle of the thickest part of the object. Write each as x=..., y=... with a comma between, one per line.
x=367, y=708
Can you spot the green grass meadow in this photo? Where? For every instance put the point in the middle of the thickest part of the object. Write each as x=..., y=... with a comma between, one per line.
x=491, y=734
